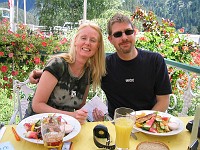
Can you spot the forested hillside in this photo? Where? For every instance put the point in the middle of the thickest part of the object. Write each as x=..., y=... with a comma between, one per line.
x=185, y=13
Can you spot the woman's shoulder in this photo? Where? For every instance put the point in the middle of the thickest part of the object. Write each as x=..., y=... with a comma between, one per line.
x=56, y=64
x=56, y=61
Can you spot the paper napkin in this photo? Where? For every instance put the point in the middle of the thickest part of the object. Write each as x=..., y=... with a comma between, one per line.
x=6, y=146
x=95, y=102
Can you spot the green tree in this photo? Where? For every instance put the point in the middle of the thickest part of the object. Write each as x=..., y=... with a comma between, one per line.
x=56, y=12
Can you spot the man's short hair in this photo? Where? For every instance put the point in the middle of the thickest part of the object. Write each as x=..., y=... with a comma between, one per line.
x=119, y=18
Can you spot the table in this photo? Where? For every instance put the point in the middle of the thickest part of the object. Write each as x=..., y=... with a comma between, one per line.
x=84, y=140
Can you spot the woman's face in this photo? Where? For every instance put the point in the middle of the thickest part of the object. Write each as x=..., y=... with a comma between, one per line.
x=87, y=42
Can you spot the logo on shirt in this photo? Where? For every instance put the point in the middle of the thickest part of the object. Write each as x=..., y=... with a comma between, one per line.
x=129, y=80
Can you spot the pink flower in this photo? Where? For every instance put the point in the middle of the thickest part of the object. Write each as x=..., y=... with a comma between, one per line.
x=10, y=32
x=36, y=60
x=63, y=41
x=10, y=55
x=4, y=39
x=5, y=20
x=31, y=45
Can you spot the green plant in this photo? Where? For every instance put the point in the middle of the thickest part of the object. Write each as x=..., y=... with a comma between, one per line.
x=163, y=38
x=6, y=107
x=24, y=50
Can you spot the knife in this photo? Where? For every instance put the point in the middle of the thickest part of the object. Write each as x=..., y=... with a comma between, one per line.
x=2, y=130
x=193, y=139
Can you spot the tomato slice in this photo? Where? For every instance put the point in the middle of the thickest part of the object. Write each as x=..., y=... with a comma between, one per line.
x=165, y=119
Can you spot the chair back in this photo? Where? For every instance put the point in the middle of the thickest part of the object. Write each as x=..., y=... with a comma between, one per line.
x=21, y=94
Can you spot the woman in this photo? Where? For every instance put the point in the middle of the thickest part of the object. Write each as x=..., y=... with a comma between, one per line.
x=65, y=81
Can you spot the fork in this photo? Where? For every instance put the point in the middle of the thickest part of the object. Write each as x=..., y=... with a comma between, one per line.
x=2, y=130
x=1, y=125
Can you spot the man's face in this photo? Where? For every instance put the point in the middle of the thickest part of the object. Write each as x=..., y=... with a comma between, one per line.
x=122, y=38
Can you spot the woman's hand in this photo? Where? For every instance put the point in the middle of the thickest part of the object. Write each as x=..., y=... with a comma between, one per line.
x=81, y=115
x=98, y=115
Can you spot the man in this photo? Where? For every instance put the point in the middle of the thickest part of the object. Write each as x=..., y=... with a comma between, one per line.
x=135, y=78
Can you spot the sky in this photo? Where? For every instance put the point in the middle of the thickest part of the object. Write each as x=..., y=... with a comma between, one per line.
x=29, y=3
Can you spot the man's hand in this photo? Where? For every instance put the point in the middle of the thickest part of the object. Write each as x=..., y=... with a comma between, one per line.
x=98, y=115
x=34, y=76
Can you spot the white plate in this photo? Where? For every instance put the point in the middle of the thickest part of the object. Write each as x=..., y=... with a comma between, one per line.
x=162, y=114
x=75, y=123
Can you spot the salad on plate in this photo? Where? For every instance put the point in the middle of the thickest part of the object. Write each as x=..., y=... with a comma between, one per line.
x=33, y=129
x=157, y=123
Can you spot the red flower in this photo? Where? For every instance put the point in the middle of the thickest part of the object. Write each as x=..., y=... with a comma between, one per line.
x=14, y=73
x=57, y=48
x=5, y=78
x=164, y=32
x=13, y=43
x=44, y=44
x=23, y=37
x=143, y=38
x=21, y=26
x=185, y=48
x=17, y=35
x=175, y=48
x=27, y=48
x=182, y=30
x=4, y=69
x=1, y=53
x=36, y=60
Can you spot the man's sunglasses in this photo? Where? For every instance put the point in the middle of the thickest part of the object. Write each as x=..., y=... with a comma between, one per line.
x=119, y=33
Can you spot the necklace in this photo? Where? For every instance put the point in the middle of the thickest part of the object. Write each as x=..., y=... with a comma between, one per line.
x=79, y=75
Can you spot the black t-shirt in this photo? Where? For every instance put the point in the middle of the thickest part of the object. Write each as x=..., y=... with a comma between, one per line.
x=69, y=91
x=135, y=83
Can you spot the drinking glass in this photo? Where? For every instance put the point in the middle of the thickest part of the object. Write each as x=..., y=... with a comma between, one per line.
x=124, y=120
x=52, y=133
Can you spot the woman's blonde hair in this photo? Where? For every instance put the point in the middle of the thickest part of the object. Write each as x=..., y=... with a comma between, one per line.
x=96, y=63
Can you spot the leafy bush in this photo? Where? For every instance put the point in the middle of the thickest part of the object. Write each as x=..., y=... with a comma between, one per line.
x=164, y=39
x=23, y=51
x=6, y=107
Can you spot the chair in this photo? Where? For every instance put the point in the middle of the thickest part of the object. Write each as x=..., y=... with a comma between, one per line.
x=21, y=93
x=173, y=102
